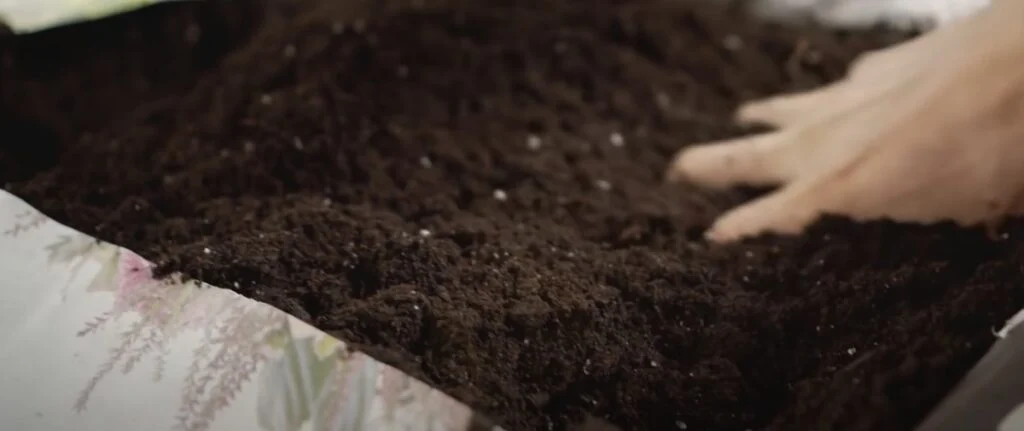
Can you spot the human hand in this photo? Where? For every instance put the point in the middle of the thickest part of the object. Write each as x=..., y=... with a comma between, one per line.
x=924, y=131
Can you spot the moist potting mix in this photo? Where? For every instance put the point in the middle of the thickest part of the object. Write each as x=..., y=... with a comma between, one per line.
x=472, y=192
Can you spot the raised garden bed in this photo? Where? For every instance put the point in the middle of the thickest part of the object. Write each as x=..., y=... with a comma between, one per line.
x=472, y=192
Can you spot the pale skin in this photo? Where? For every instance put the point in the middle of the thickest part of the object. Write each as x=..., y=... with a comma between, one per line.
x=926, y=131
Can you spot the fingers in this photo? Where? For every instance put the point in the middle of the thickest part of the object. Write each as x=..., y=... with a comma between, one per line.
x=886, y=142
x=750, y=160
x=863, y=189
x=929, y=179
x=785, y=212
x=802, y=108
x=917, y=181
x=873, y=74
x=779, y=157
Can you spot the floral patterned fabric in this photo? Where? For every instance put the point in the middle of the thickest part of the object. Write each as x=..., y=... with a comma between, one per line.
x=25, y=16
x=95, y=342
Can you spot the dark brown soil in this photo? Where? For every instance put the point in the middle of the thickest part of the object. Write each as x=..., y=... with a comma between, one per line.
x=312, y=149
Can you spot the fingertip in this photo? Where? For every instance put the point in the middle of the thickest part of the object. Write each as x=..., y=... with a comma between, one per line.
x=725, y=229
x=781, y=213
x=708, y=165
x=748, y=161
x=735, y=226
x=677, y=171
x=758, y=112
x=717, y=236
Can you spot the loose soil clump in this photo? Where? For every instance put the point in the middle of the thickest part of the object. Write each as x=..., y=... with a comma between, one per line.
x=471, y=191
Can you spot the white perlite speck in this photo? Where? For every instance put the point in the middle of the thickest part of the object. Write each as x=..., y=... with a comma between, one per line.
x=851, y=351
x=616, y=139
x=425, y=162
x=206, y=250
x=603, y=185
x=663, y=100
x=533, y=142
x=424, y=233
x=732, y=42
x=500, y=195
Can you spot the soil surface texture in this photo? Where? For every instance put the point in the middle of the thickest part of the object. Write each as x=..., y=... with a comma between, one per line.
x=471, y=191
